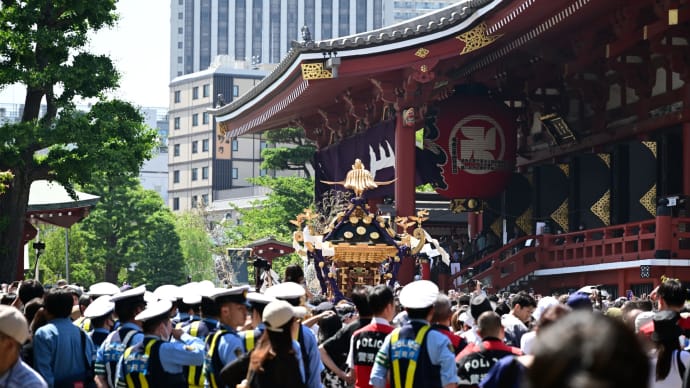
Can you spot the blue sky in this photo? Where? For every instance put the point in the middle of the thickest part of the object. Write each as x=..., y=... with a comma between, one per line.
x=139, y=46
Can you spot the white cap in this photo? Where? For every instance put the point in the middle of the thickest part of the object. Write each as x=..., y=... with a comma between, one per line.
x=279, y=312
x=466, y=318
x=256, y=297
x=287, y=290
x=191, y=298
x=239, y=293
x=642, y=319
x=150, y=297
x=103, y=288
x=168, y=292
x=13, y=324
x=206, y=284
x=154, y=310
x=137, y=292
x=99, y=307
x=543, y=304
x=419, y=294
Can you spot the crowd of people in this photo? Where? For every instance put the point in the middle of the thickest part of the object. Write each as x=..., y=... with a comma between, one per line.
x=200, y=335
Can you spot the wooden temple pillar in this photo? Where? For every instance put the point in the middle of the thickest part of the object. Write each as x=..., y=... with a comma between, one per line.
x=405, y=185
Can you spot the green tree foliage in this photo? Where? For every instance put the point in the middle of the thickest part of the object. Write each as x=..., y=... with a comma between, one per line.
x=131, y=235
x=197, y=245
x=281, y=157
x=44, y=48
x=289, y=196
x=52, y=261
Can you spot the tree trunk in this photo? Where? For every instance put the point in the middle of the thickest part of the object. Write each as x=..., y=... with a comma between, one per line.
x=111, y=272
x=13, y=204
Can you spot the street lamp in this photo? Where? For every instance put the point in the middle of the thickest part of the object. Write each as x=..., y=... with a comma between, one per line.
x=39, y=246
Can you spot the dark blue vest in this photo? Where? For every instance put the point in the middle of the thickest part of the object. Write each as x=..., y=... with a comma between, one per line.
x=426, y=375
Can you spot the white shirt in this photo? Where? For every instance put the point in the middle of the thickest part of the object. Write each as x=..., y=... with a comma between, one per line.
x=673, y=379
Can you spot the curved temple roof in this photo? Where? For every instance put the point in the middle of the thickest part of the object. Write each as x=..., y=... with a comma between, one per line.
x=435, y=25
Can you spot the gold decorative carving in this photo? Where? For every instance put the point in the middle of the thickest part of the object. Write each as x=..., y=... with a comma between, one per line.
x=649, y=199
x=422, y=52
x=602, y=208
x=560, y=215
x=606, y=158
x=565, y=168
x=476, y=38
x=524, y=222
x=424, y=68
x=315, y=71
x=651, y=145
x=222, y=128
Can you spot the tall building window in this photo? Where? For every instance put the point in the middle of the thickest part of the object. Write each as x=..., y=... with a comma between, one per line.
x=179, y=59
x=204, y=199
x=195, y=174
x=274, y=33
x=222, y=34
x=176, y=150
x=204, y=145
x=176, y=203
x=257, y=27
x=205, y=34
x=179, y=30
x=189, y=48
x=310, y=16
x=204, y=172
x=235, y=90
x=344, y=18
x=361, y=15
x=378, y=14
x=195, y=147
x=241, y=30
x=195, y=93
x=235, y=145
x=176, y=124
x=327, y=19
x=263, y=172
x=194, y=201
x=235, y=173
x=263, y=145
x=195, y=119
x=206, y=90
x=292, y=19
x=178, y=96
x=179, y=45
x=204, y=118
x=176, y=176
x=180, y=15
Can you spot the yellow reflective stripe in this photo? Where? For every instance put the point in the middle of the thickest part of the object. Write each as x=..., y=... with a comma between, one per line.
x=412, y=366
x=142, y=378
x=195, y=328
x=130, y=381
x=249, y=338
x=211, y=349
x=86, y=324
x=395, y=362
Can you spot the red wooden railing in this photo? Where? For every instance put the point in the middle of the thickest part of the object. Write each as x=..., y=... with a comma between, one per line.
x=616, y=243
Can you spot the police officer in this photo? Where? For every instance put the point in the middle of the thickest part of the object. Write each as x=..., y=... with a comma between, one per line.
x=257, y=303
x=100, y=316
x=95, y=291
x=414, y=355
x=187, y=310
x=156, y=362
x=294, y=294
x=128, y=304
x=225, y=345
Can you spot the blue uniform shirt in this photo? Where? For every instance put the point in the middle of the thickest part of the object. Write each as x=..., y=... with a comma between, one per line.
x=189, y=350
x=230, y=346
x=437, y=345
x=314, y=357
x=58, y=352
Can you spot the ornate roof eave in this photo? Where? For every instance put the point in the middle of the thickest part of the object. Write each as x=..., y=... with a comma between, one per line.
x=433, y=26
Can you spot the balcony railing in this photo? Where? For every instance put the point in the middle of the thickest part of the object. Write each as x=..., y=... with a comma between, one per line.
x=616, y=243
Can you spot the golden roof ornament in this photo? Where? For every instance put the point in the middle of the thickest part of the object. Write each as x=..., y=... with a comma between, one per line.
x=359, y=180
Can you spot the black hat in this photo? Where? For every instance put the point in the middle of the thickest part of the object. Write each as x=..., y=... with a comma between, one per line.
x=666, y=327
x=478, y=305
